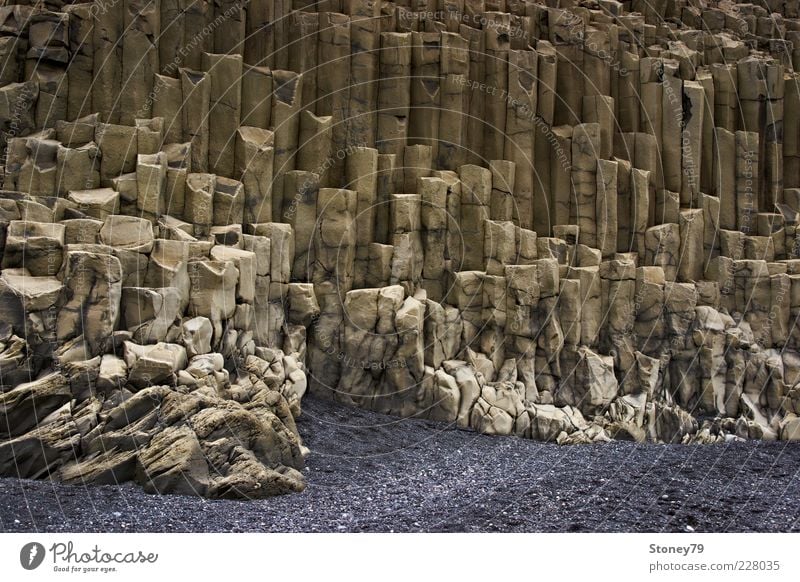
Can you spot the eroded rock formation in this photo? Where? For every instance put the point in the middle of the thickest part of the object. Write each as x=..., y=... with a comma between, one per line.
x=567, y=221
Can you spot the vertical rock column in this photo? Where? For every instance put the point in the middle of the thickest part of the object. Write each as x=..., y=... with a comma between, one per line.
x=492, y=333
x=280, y=30
x=151, y=178
x=755, y=75
x=332, y=276
x=773, y=137
x=726, y=113
x=522, y=296
x=476, y=194
x=690, y=262
x=142, y=28
x=724, y=179
x=452, y=122
x=692, y=145
x=669, y=140
x=303, y=57
x=662, y=244
x=196, y=90
x=259, y=43
x=624, y=207
x=496, y=47
x=753, y=297
x=362, y=176
x=618, y=282
x=606, y=207
x=314, y=145
x=168, y=106
x=225, y=100
x=547, y=327
x=256, y=96
x=178, y=165
x=272, y=292
x=333, y=83
x=254, y=155
x=648, y=306
x=628, y=101
x=475, y=100
x=640, y=193
x=569, y=87
x=229, y=33
x=286, y=108
x=598, y=56
x=417, y=163
x=107, y=58
x=680, y=301
x=394, y=93
x=170, y=42
x=433, y=197
x=426, y=86
x=746, y=181
x=199, y=202
x=196, y=16
x=13, y=42
x=301, y=212
x=466, y=294
x=600, y=109
x=585, y=153
x=405, y=223
x=387, y=170
x=560, y=196
x=46, y=64
x=706, y=174
x=520, y=135
x=503, y=190
x=80, y=70
x=364, y=42
x=651, y=90
x=118, y=145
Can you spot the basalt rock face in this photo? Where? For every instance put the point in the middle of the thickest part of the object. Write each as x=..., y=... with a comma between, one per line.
x=570, y=224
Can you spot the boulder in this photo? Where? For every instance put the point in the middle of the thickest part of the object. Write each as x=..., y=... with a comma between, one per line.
x=196, y=335
x=152, y=365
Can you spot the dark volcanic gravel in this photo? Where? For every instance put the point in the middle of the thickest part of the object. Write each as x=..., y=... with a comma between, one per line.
x=369, y=472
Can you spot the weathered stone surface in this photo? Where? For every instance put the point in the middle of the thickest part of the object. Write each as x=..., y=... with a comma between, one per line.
x=25, y=406
x=94, y=287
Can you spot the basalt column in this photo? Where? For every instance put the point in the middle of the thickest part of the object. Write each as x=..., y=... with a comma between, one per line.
x=362, y=176
x=108, y=26
x=476, y=194
x=80, y=70
x=141, y=29
x=196, y=89
x=286, y=107
x=365, y=42
x=333, y=83
x=496, y=47
x=394, y=93
x=426, y=86
x=225, y=100
x=452, y=121
x=520, y=134
x=332, y=275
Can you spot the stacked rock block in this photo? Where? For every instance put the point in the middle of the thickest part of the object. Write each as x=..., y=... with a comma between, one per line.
x=572, y=224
